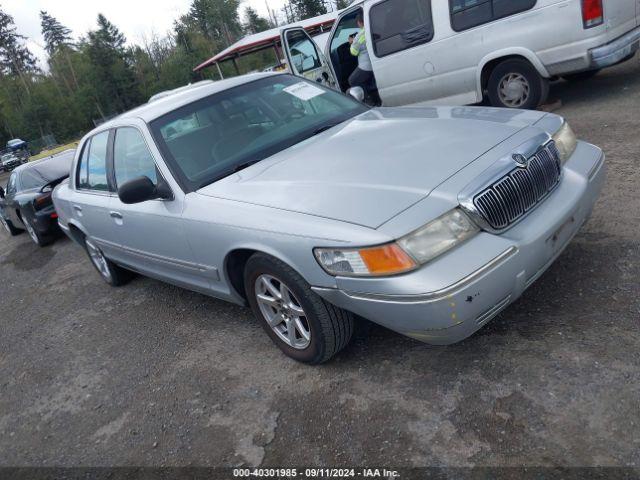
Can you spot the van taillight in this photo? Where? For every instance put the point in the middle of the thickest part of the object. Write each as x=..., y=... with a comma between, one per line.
x=592, y=13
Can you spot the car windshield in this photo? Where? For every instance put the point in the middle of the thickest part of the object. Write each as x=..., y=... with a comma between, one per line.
x=218, y=135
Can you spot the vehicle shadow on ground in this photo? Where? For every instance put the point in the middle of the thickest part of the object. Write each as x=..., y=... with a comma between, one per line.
x=606, y=85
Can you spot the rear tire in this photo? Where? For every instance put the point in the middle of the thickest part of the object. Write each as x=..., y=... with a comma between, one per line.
x=516, y=83
x=36, y=236
x=8, y=226
x=580, y=76
x=289, y=303
x=109, y=271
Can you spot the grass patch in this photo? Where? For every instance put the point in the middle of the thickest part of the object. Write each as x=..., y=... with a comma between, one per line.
x=53, y=151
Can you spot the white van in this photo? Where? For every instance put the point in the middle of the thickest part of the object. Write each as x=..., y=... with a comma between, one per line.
x=459, y=52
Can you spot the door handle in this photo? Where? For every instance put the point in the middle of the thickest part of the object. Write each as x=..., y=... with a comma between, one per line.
x=77, y=208
x=116, y=215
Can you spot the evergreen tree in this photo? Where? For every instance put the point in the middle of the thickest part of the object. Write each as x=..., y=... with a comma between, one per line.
x=15, y=57
x=254, y=23
x=340, y=4
x=55, y=34
x=218, y=20
x=304, y=9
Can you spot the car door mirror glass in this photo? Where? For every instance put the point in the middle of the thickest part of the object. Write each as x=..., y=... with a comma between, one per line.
x=137, y=190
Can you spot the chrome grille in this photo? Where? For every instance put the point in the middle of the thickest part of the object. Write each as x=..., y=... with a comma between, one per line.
x=515, y=194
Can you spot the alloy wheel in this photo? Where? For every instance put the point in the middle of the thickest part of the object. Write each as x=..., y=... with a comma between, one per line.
x=31, y=231
x=514, y=90
x=98, y=259
x=5, y=224
x=282, y=311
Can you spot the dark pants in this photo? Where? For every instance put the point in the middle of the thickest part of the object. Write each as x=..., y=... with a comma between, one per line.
x=366, y=80
x=361, y=78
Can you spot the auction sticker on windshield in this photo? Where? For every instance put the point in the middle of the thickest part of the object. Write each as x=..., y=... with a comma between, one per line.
x=303, y=91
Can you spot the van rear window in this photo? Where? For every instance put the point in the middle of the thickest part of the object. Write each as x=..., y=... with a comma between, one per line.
x=466, y=14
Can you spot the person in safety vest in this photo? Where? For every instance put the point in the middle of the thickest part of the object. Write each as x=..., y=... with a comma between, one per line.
x=362, y=76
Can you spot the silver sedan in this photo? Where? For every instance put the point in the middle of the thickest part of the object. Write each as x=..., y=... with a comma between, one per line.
x=317, y=211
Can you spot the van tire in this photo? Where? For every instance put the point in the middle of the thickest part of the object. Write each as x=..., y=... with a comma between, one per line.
x=529, y=88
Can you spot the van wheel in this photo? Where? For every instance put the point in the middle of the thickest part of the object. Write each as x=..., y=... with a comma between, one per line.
x=298, y=321
x=580, y=76
x=8, y=227
x=517, y=84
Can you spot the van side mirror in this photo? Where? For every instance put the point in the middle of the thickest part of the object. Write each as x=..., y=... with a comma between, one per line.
x=138, y=190
x=357, y=93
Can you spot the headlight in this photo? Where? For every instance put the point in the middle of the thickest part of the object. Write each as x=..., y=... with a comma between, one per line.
x=438, y=236
x=387, y=259
x=402, y=256
x=566, y=142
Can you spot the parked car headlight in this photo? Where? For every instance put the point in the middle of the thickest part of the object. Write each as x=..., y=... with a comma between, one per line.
x=383, y=260
x=566, y=142
x=438, y=236
x=402, y=256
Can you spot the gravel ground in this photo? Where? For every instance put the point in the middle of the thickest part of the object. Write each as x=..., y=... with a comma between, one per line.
x=150, y=374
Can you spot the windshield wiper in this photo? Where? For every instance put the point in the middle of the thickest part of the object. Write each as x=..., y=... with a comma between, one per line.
x=244, y=165
x=324, y=128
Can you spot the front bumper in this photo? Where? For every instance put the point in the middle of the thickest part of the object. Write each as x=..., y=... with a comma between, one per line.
x=515, y=259
x=616, y=51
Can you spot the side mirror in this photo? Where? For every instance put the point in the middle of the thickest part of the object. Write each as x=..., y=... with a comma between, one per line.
x=357, y=93
x=138, y=190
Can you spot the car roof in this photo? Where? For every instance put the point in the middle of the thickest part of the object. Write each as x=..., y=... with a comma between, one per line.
x=150, y=111
x=50, y=168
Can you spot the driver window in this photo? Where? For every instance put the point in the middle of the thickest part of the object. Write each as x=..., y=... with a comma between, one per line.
x=131, y=157
x=302, y=50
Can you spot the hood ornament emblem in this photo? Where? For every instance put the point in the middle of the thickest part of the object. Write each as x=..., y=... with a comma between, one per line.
x=520, y=160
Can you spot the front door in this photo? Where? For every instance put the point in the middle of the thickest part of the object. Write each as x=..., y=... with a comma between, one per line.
x=150, y=234
x=304, y=57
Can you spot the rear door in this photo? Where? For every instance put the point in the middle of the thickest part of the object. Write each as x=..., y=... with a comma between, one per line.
x=620, y=16
x=92, y=196
x=304, y=58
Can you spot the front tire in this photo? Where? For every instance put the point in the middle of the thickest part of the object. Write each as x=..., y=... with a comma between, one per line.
x=8, y=226
x=517, y=84
x=109, y=271
x=300, y=323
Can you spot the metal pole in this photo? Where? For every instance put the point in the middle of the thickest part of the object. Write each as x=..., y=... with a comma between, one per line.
x=235, y=64
x=219, y=71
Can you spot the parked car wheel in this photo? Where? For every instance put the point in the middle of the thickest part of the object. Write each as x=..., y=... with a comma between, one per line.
x=37, y=238
x=109, y=271
x=580, y=76
x=8, y=226
x=300, y=323
x=517, y=84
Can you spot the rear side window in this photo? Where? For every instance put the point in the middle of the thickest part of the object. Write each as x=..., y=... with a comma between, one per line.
x=131, y=156
x=467, y=14
x=92, y=171
x=400, y=24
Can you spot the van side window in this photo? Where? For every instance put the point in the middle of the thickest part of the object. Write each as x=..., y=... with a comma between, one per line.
x=400, y=24
x=467, y=14
x=92, y=171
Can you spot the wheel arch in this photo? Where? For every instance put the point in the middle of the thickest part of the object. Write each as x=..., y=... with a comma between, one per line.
x=236, y=260
x=77, y=232
x=489, y=62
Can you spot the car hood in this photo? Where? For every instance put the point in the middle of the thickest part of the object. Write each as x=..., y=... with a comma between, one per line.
x=372, y=167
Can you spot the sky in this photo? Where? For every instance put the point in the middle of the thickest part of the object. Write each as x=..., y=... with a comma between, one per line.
x=135, y=18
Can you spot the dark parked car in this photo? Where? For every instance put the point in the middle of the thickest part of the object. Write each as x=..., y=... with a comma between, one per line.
x=26, y=204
